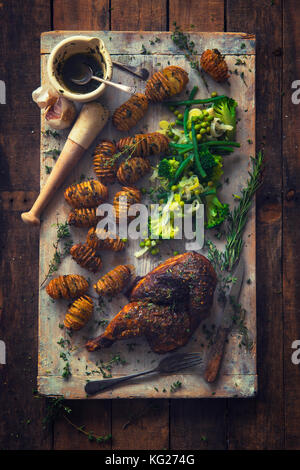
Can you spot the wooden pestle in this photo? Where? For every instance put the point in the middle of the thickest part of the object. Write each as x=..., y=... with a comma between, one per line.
x=91, y=119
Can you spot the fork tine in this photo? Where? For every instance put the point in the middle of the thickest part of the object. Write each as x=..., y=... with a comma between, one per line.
x=185, y=364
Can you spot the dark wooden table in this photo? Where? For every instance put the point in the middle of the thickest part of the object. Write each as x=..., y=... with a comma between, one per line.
x=270, y=421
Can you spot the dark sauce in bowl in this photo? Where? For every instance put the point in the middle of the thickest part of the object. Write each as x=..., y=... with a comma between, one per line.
x=73, y=68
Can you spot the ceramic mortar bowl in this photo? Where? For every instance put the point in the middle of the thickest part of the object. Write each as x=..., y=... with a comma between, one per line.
x=78, y=45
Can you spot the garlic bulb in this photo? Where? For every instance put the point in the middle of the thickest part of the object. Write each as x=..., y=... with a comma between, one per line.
x=61, y=114
x=44, y=96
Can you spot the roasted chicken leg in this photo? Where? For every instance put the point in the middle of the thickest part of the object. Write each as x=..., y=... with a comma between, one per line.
x=166, y=305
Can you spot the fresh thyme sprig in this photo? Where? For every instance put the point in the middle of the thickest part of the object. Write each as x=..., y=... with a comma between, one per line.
x=128, y=150
x=184, y=43
x=63, y=233
x=56, y=407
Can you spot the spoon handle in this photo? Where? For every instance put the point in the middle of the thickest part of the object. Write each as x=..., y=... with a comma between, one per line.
x=127, y=89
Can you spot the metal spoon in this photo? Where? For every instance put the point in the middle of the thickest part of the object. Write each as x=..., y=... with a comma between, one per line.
x=86, y=75
x=141, y=73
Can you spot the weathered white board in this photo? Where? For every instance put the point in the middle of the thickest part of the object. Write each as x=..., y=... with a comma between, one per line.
x=238, y=374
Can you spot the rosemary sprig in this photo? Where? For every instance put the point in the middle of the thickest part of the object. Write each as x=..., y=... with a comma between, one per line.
x=238, y=217
x=225, y=261
x=63, y=233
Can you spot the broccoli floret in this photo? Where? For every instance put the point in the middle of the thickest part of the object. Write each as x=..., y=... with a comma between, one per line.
x=217, y=171
x=167, y=168
x=208, y=161
x=224, y=109
x=212, y=164
x=216, y=212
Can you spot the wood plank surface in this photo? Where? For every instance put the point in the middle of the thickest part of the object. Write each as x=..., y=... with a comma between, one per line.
x=138, y=15
x=198, y=424
x=291, y=214
x=238, y=373
x=261, y=421
x=251, y=424
x=197, y=16
x=139, y=432
x=21, y=425
x=82, y=14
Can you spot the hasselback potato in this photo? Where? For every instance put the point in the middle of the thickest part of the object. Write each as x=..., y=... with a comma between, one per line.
x=129, y=113
x=170, y=81
x=86, y=194
x=79, y=313
x=69, y=286
x=100, y=239
x=124, y=199
x=86, y=257
x=105, y=166
x=144, y=145
x=114, y=281
x=83, y=217
x=214, y=64
x=130, y=171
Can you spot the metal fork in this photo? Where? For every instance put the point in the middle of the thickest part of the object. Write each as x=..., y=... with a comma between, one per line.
x=168, y=365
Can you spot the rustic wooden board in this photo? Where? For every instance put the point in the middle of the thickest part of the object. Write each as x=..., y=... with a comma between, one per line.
x=238, y=374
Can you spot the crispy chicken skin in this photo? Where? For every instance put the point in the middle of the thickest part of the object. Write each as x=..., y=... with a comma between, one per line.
x=166, y=305
x=189, y=275
x=164, y=327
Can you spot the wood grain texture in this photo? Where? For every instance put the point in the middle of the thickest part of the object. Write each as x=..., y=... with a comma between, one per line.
x=81, y=14
x=238, y=373
x=193, y=423
x=198, y=424
x=95, y=419
x=261, y=421
x=140, y=424
x=150, y=15
x=197, y=16
x=291, y=214
x=19, y=68
x=21, y=424
x=138, y=15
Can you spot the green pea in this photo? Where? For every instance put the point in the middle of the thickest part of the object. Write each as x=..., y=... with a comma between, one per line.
x=175, y=253
x=142, y=244
x=210, y=118
x=190, y=135
x=175, y=138
x=214, y=94
x=189, y=126
x=148, y=243
x=172, y=108
x=174, y=187
x=202, y=131
x=180, y=116
x=199, y=136
x=176, y=112
x=170, y=134
x=203, y=124
x=197, y=127
x=125, y=240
